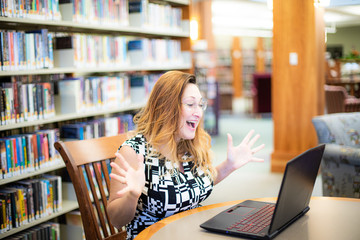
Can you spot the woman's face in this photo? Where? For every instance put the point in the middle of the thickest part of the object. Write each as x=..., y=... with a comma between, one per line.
x=192, y=105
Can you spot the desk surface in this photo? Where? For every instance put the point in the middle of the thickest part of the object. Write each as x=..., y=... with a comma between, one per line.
x=329, y=218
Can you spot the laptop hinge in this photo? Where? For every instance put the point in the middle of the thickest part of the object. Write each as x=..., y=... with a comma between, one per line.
x=276, y=232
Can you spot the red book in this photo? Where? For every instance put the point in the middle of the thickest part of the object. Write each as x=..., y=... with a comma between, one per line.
x=11, y=44
x=46, y=147
x=14, y=156
x=35, y=151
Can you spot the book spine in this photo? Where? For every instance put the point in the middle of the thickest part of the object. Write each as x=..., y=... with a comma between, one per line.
x=1, y=49
x=4, y=166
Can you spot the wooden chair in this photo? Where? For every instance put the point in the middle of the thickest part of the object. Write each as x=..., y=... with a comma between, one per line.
x=87, y=162
x=338, y=100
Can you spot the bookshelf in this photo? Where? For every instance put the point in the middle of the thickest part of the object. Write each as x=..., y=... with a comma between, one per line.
x=59, y=26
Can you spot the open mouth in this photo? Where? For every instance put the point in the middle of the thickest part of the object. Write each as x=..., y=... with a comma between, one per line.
x=191, y=124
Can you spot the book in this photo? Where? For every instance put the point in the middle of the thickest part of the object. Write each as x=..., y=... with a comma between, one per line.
x=30, y=198
x=64, y=52
x=73, y=131
x=70, y=97
x=7, y=219
x=136, y=51
x=5, y=52
x=138, y=90
x=138, y=13
x=4, y=168
x=2, y=105
x=1, y=48
x=14, y=212
x=66, y=8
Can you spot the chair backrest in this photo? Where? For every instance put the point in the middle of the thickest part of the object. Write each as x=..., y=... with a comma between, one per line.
x=335, y=98
x=87, y=162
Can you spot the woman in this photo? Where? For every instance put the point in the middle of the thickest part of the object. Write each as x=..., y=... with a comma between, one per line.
x=166, y=166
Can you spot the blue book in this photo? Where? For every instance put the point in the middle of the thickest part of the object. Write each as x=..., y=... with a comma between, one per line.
x=51, y=50
x=8, y=157
x=137, y=12
x=39, y=149
x=73, y=131
x=24, y=151
x=19, y=154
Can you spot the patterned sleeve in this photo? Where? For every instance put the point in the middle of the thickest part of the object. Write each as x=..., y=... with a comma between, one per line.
x=137, y=143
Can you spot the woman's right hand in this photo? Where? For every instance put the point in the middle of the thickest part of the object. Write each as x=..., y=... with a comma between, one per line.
x=132, y=178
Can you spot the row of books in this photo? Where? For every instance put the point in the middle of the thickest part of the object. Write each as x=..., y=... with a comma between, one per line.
x=35, y=9
x=26, y=153
x=20, y=102
x=89, y=50
x=20, y=50
x=106, y=12
x=44, y=231
x=142, y=13
x=141, y=86
x=110, y=126
x=149, y=52
x=84, y=94
x=25, y=201
x=138, y=13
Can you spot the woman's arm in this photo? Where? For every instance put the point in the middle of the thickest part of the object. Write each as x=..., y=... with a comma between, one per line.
x=126, y=184
x=238, y=156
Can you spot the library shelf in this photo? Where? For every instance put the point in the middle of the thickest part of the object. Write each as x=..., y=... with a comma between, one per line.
x=67, y=206
x=181, y=34
x=55, y=165
x=98, y=70
x=71, y=116
x=67, y=26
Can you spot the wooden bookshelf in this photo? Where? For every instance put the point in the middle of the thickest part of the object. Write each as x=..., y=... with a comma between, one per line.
x=61, y=26
x=67, y=206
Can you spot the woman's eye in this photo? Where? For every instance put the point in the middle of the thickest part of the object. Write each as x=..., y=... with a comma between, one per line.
x=190, y=104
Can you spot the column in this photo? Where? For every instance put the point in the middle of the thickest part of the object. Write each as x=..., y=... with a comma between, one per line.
x=237, y=67
x=297, y=77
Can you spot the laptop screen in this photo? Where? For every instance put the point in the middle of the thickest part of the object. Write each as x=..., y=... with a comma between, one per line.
x=296, y=187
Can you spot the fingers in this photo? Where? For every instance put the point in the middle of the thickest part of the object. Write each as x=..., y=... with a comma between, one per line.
x=125, y=165
x=248, y=136
x=254, y=159
x=122, y=192
x=253, y=140
x=119, y=178
x=258, y=148
x=117, y=168
x=230, y=140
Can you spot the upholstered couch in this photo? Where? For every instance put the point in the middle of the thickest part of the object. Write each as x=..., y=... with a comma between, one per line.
x=340, y=169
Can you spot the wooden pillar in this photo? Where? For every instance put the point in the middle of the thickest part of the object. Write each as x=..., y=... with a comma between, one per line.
x=260, y=56
x=237, y=67
x=297, y=77
x=201, y=12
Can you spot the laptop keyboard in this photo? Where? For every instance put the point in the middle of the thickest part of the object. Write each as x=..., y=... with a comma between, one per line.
x=255, y=222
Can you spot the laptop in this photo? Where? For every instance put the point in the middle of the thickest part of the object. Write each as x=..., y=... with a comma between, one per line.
x=263, y=220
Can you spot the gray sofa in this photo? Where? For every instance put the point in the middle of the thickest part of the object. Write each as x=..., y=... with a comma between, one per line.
x=340, y=169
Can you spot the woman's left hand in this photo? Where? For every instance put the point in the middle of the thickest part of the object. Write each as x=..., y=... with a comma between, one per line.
x=238, y=156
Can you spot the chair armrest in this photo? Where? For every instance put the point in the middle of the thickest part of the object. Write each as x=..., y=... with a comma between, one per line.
x=322, y=131
x=342, y=154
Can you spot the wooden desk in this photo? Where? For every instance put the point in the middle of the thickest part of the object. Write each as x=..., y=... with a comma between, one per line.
x=328, y=218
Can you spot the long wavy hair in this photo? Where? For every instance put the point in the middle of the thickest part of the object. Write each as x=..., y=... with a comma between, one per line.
x=159, y=122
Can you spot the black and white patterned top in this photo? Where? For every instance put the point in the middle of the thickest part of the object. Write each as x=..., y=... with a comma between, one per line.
x=167, y=190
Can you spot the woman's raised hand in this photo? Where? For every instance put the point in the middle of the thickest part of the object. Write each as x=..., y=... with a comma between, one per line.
x=131, y=177
x=237, y=156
